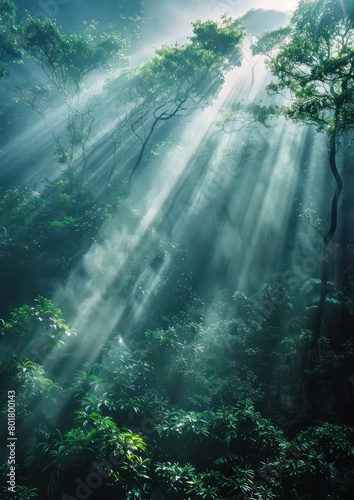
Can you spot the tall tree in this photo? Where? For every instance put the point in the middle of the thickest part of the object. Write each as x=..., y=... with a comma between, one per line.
x=313, y=60
x=178, y=80
x=67, y=60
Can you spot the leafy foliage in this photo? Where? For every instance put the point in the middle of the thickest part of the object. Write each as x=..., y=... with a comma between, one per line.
x=10, y=51
x=176, y=82
x=203, y=437
x=314, y=65
x=43, y=320
x=68, y=59
x=194, y=70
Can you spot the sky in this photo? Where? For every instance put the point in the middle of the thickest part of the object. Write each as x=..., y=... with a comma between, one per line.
x=283, y=5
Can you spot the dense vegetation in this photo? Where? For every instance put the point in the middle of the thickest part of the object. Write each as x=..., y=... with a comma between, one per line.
x=231, y=395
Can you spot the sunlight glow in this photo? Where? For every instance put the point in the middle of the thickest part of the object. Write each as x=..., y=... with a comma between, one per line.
x=258, y=207
x=89, y=290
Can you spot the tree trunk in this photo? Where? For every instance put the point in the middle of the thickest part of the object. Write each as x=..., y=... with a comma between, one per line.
x=328, y=237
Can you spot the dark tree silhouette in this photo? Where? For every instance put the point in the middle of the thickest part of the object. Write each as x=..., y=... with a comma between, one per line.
x=314, y=66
